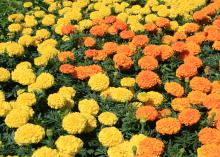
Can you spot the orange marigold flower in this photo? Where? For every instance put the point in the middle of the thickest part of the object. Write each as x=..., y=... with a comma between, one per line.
x=152, y=50
x=193, y=60
x=65, y=55
x=151, y=146
x=209, y=136
x=193, y=48
x=148, y=113
x=168, y=39
x=112, y=30
x=215, y=87
x=67, y=69
x=201, y=84
x=110, y=19
x=147, y=79
x=98, y=31
x=164, y=113
x=191, y=27
x=186, y=70
x=122, y=61
x=215, y=113
x=196, y=97
x=162, y=22
x=84, y=72
x=166, y=52
x=100, y=56
x=216, y=45
x=140, y=40
x=198, y=38
x=179, y=46
x=179, y=104
x=217, y=22
x=68, y=29
x=91, y=53
x=120, y=25
x=200, y=15
x=212, y=101
x=209, y=150
x=127, y=50
x=180, y=35
x=148, y=63
x=174, y=89
x=89, y=42
x=150, y=27
x=110, y=47
x=168, y=126
x=189, y=116
x=127, y=34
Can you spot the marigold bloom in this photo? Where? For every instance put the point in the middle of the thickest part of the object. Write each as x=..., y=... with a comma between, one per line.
x=120, y=25
x=216, y=45
x=89, y=106
x=179, y=104
x=127, y=82
x=152, y=50
x=193, y=60
x=193, y=48
x=68, y=29
x=112, y=30
x=147, y=113
x=201, y=84
x=97, y=31
x=45, y=152
x=148, y=63
x=174, y=89
x=66, y=69
x=208, y=150
x=89, y=42
x=180, y=35
x=123, y=149
x=147, y=79
x=186, y=70
x=127, y=50
x=212, y=101
x=215, y=87
x=98, y=82
x=65, y=55
x=209, y=136
x=110, y=47
x=168, y=39
x=164, y=113
x=162, y=22
x=108, y=118
x=122, y=61
x=101, y=55
x=151, y=146
x=110, y=19
x=127, y=34
x=90, y=53
x=168, y=126
x=154, y=98
x=150, y=27
x=189, y=116
x=196, y=97
x=179, y=46
x=140, y=40
x=191, y=27
x=166, y=52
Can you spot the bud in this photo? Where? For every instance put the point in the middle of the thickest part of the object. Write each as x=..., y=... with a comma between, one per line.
x=49, y=132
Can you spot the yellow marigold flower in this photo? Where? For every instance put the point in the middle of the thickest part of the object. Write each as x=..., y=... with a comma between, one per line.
x=127, y=82
x=45, y=80
x=98, y=82
x=73, y=15
x=16, y=118
x=28, y=4
x=27, y=109
x=89, y=106
x=41, y=61
x=2, y=96
x=67, y=3
x=39, y=13
x=24, y=65
x=28, y=134
x=91, y=122
x=30, y=21
x=84, y=24
x=3, y=47
x=68, y=92
x=154, y=98
x=15, y=27
x=27, y=99
x=27, y=31
x=15, y=17
x=174, y=25
x=74, y=123
x=121, y=150
x=42, y=34
x=56, y=101
x=25, y=40
x=142, y=96
x=5, y=75
x=151, y=18
x=122, y=16
x=108, y=118
x=69, y=144
x=27, y=79
x=136, y=139
x=118, y=94
x=48, y=1
x=48, y=20
x=45, y=152
x=14, y=49
x=5, y=108
x=208, y=150
x=152, y=3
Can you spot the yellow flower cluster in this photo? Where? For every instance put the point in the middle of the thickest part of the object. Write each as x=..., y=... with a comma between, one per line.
x=108, y=118
x=5, y=75
x=14, y=49
x=98, y=82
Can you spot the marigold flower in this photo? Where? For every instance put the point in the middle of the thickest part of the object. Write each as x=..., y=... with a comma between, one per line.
x=186, y=70
x=120, y=25
x=98, y=82
x=123, y=149
x=147, y=79
x=45, y=152
x=168, y=126
x=89, y=106
x=112, y=30
x=122, y=61
x=179, y=104
x=140, y=40
x=174, y=89
x=110, y=136
x=191, y=27
x=56, y=101
x=208, y=150
x=209, y=136
x=127, y=34
x=110, y=47
x=147, y=113
x=66, y=69
x=166, y=52
x=127, y=50
x=201, y=84
x=154, y=98
x=164, y=113
x=212, y=101
x=28, y=99
x=89, y=42
x=5, y=75
x=216, y=45
x=189, y=116
x=5, y=108
x=193, y=48
x=168, y=39
x=150, y=27
x=148, y=63
x=196, y=97
x=108, y=118
x=193, y=60
x=68, y=29
x=127, y=82
x=215, y=87
x=65, y=55
x=97, y=31
x=90, y=53
x=110, y=19
x=162, y=22
x=152, y=50
x=91, y=122
x=101, y=55
x=180, y=35
x=151, y=146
